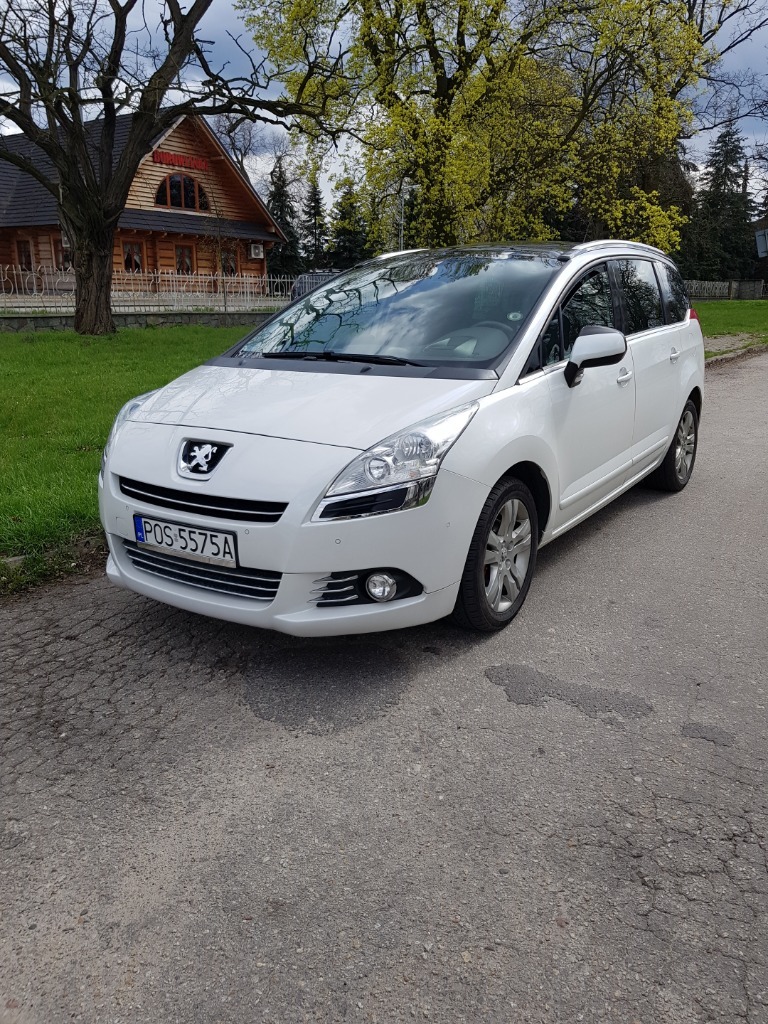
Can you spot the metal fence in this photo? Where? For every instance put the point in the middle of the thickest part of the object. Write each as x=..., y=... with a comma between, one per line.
x=47, y=290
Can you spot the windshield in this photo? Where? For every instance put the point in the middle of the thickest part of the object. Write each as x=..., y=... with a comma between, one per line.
x=423, y=308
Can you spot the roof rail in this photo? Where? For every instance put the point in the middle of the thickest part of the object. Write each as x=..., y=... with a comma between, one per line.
x=399, y=252
x=600, y=242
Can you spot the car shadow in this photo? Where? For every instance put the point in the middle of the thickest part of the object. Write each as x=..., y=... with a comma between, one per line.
x=321, y=685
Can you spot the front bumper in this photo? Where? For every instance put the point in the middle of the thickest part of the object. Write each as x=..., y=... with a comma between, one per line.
x=430, y=543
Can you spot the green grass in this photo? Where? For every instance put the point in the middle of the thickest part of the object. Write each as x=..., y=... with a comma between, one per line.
x=738, y=317
x=59, y=393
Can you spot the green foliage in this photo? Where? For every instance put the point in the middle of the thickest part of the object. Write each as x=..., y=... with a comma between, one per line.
x=718, y=243
x=285, y=258
x=348, y=242
x=314, y=232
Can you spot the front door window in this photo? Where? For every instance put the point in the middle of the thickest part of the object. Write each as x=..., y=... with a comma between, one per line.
x=184, y=259
x=24, y=253
x=133, y=257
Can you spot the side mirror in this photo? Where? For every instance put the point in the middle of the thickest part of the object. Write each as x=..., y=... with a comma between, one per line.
x=595, y=346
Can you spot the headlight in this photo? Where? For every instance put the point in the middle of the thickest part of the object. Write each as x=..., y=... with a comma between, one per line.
x=397, y=473
x=125, y=413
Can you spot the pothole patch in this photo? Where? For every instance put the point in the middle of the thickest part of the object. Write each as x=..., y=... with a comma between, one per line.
x=525, y=686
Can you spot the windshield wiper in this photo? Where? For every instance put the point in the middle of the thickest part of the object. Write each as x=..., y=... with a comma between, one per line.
x=349, y=357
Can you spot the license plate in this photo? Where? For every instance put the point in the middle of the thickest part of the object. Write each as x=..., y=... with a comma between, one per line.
x=213, y=546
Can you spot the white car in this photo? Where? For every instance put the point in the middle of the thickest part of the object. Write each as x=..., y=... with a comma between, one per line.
x=395, y=446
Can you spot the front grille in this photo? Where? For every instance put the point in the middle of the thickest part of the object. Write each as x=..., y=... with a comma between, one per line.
x=240, y=509
x=257, y=584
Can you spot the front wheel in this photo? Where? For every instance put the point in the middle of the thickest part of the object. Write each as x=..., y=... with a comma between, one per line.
x=501, y=559
x=675, y=471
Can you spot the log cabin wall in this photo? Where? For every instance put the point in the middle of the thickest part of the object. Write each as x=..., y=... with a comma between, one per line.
x=226, y=192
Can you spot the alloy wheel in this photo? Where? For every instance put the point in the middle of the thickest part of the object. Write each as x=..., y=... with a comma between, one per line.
x=685, y=445
x=507, y=554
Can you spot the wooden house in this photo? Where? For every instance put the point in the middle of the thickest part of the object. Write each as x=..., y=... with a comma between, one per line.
x=190, y=210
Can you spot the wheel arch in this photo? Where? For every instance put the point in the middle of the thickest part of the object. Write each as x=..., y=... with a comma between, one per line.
x=696, y=397
x=534, y=478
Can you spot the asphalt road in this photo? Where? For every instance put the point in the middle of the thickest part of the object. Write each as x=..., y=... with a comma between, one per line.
x=565, y=822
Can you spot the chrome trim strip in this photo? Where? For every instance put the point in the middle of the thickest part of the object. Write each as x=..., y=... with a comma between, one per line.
x=192, y=506
x=206, y=586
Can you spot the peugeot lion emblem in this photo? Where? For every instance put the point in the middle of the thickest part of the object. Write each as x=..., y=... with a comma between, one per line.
x=200, y=458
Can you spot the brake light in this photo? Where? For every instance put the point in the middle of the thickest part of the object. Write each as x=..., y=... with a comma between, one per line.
x=693, y=314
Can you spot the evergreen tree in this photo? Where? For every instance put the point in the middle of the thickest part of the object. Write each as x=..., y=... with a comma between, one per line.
x=348, y=233
x=314, y=233
x=285, y=258
x=718, y=242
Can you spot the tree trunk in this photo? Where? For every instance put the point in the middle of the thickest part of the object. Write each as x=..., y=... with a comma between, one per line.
x=93, y=284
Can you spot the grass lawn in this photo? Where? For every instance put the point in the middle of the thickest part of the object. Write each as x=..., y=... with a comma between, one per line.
x=749, y=316
x=59, y=393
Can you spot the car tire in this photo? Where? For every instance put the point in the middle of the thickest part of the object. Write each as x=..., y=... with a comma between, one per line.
x=675, y=471
x=501, y=559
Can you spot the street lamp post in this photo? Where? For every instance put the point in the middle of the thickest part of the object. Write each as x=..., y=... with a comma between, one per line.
x=406, y=187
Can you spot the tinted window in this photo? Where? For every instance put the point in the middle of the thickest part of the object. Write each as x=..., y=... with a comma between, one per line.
x=174, y=183
x=642, y=299
x=590, y=303
x=189, y=193
x=675, y=294
x=465, y=308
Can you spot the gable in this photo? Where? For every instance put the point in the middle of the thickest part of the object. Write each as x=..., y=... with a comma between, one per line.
x=190, y=149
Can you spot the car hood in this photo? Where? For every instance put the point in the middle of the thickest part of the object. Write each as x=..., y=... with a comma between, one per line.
x=351, y=410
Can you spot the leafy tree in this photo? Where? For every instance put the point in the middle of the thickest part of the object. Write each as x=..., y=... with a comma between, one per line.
x=69, y=69
x=502, y=116
x=285, y=258
x=718, y=243
x=348, y=231
x=314, y=232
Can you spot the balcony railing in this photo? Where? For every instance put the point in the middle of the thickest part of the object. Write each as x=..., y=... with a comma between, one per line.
x=46, y=290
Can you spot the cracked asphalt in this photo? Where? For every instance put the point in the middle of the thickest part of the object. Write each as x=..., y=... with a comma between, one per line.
x=564, y=822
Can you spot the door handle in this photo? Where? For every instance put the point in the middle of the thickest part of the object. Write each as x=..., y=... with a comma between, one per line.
x=625, y=376
x=674, y=355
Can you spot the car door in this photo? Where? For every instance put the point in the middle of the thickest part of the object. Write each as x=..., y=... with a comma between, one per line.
x=655, y=346
x=592, y=422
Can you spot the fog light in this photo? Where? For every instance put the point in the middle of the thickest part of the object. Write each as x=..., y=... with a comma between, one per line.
x=381, y=586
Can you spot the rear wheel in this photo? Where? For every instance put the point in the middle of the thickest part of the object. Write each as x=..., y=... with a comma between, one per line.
x=501, y=559
x=675, y=471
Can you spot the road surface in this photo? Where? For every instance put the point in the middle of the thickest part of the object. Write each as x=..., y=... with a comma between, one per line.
x=564, y=822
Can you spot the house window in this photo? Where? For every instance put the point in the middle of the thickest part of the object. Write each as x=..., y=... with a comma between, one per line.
x=24, y=253
x=62, y=254
x=181, y=192
x=133, y=257
x=229, y=262
x=185, y=259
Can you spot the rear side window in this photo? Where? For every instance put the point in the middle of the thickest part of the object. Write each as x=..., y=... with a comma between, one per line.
x=642, y=298
x=674, y=292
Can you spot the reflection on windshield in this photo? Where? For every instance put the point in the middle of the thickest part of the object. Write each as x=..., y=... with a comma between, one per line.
x=433, y=308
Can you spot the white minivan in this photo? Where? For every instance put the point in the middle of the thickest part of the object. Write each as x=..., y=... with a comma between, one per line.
x=396, y=445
